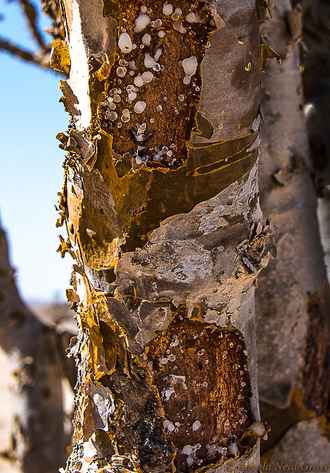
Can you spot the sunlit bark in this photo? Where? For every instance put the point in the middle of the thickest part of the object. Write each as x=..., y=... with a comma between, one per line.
x=162, y=210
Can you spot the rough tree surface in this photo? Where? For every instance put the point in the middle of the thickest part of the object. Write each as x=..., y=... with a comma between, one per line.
x=161, y=204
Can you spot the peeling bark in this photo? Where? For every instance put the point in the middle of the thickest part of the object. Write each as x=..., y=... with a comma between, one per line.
x=292, y=302
x=35, y=353
x=162, y=208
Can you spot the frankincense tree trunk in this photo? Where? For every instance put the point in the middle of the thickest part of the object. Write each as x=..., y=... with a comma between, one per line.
x=34, y=351
x=162, y=208
x=292, y=301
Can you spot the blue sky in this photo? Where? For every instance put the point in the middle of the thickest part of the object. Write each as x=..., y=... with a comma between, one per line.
x=31, y=170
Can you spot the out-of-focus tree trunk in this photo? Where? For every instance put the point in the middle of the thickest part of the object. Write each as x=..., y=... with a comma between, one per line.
x=35, y=354
x=293, y=325
x=315, y=76
x=162, y=210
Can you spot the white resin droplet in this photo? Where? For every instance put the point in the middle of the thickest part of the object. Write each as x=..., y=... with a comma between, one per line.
x=177, y=13
x=167, y=9
x=196, y=425
x=147, y=76
x=191, y=17
x=121, y=71
x=161, y=34
x=186, y=80
x=190, y=65
x=125, y=43
x=139, y=106
x=177, y=26
x=138, y=81
x=149, y=61
x=143, y=9
x=112, y=116
x=126, y=112
x=187, y=450
x=157, y=55
x=131, y=88
x=116, y=98
x=156, y=23
x=132, y=96
x=141, y=22
x=112, y=106
x=168, y=425
x=146, y=39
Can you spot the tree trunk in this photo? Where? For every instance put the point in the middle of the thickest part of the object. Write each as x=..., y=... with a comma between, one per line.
x=162, y=210
x=315, y=77
x=292, y=302
x=35, y=353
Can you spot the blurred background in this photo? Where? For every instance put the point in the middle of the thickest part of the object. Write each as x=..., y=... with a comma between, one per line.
x=31, y=174
x=31, y=170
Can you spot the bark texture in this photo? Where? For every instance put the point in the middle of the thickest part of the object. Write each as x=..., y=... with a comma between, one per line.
x=35, y=354
x=292, y=306
x=162, y=207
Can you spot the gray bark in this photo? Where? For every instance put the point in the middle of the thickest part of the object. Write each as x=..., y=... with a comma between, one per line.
x=292, y=302
x=34, y=352
x=315, y=77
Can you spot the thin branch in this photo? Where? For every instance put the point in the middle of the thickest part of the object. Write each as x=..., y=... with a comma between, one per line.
x=40, y=59
x=31, y=16
x=52, y=9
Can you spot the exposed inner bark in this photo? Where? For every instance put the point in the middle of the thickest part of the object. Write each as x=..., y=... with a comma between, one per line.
x=201, y=373
x=150, y=102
